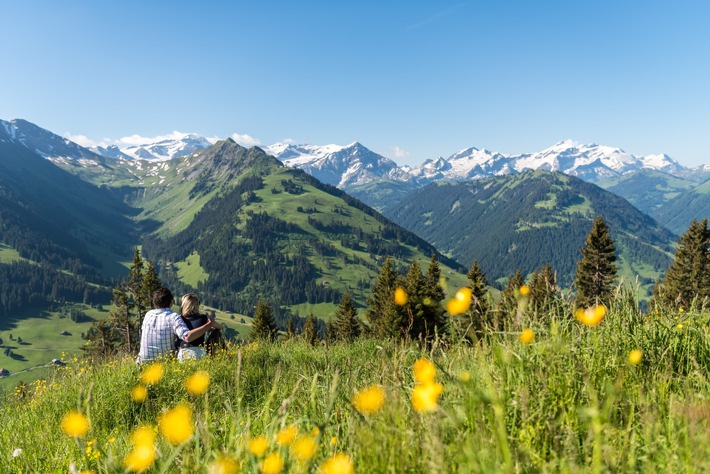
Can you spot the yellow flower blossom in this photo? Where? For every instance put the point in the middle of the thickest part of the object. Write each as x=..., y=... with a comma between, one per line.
x=425, y=397
x=286, y=436
x=369, y=400
x=258, y=446
x=304, y=448
x=223, y=465
x=465, y=376
x=197, y=383
x=333, y=440
x=339, y=463
x=679, y=326
x=460, y=302
x=315, y=431
x=272, y=464
x=424, y=371
x=525, y=290
x=143, y=435
x=591, y=316
x=635, y=356
x=176, y=424
x=139, y=393
x=400, y=296
x=140, y=458
x=527, y=336
x=152, y=374
x=75, y=424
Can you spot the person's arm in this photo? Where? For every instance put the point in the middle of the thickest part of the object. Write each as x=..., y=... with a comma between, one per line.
x=199, y=331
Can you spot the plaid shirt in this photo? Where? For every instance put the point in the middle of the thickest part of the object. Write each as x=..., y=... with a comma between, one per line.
x=160, y=326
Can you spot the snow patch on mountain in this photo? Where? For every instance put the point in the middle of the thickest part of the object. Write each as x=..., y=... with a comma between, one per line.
x=182, y=145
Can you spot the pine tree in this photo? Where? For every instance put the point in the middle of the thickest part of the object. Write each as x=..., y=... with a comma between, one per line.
x=688, y=276
x=434, y=320
x=151, y=282
x=263, y=326
x=596, y=272
x=381, y=310
x=346, y=324
x=543, y=291
x=134, y=286
x=508, y=304
x=472, y=323
x=310, y=330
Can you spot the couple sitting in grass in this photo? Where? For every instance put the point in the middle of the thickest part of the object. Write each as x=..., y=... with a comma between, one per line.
x=162, y=325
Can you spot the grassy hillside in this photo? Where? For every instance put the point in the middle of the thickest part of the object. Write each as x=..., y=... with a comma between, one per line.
x=528, y=220
x=575, y=399
x=647, y=190
x=678, y=213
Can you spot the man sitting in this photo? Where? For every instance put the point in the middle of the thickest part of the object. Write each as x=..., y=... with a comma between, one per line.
x=161, y=325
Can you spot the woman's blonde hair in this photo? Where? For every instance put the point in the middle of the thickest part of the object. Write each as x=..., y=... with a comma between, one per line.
x=190, y=304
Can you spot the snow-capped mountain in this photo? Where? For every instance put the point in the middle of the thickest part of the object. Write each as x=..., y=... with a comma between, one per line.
x=589, y=162
x=182, y=145
x=45, y=143
x=340, y=166
x=111, y=151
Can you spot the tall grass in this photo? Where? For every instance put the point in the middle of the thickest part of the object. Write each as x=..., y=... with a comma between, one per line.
x=568, y=402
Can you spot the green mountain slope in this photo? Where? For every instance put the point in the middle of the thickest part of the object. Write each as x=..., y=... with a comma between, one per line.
x=678, y=213
x=236, y=225
x=381, y=194
x=647, y=190
x=530, y=219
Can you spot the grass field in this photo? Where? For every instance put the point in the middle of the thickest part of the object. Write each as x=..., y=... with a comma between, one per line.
x=627, y=395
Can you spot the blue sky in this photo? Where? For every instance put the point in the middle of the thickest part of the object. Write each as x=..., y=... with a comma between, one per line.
x=410, y=80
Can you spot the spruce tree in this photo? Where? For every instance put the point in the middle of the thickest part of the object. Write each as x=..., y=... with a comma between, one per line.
x=434, y=319
x=688, y=276
x=310, y=330
x=381, y=310
x=543, y=292
x=472, y=323
x=508, y=304
x=596, y=272
x=263, y=325
x=151, y=282
x=134, y=286
x=346, y=324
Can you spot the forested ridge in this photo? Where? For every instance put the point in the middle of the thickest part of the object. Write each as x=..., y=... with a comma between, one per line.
x=528, y=220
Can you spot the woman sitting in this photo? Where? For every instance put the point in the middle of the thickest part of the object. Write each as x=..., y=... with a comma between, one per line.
x=190, y=312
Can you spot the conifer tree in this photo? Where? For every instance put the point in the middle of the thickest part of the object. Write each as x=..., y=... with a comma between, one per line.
x=151, y=282
x=134, y=286
x=263, y=325
x=381, y=310
x=435, y=322
x=596, y=272
x=688, y=276
x=310, y=330
x=290, y=329
x=543, y=291
x=472, y=323
x=508, y=304
x=346, y=324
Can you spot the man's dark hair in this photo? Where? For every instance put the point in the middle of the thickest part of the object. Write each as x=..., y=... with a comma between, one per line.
x=162, y=298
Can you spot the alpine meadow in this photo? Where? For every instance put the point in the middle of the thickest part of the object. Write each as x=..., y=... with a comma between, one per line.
x=354, y=237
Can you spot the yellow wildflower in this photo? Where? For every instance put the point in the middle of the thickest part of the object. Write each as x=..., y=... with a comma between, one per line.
x=527, y=336
x=339, y=463
x=315, y=431
x=635, y=356
x=400, y=296
x=143, y=435
x=424, y=371
x=460, y=302
x=304, y=448
x=286, y=436
x=525, y=290
x=176, y=424
x=139, y=393
x=140, y=458
x=197, y=383
x=152, y=374
x=465, y=376
x=679, y=326
x=369, y=400
x=272, y=464
x=258, y=446
x=681, y=309
x=333, y=440
x=591, y=316
x=75, y=424
x=223, y=465
x=425, y=396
